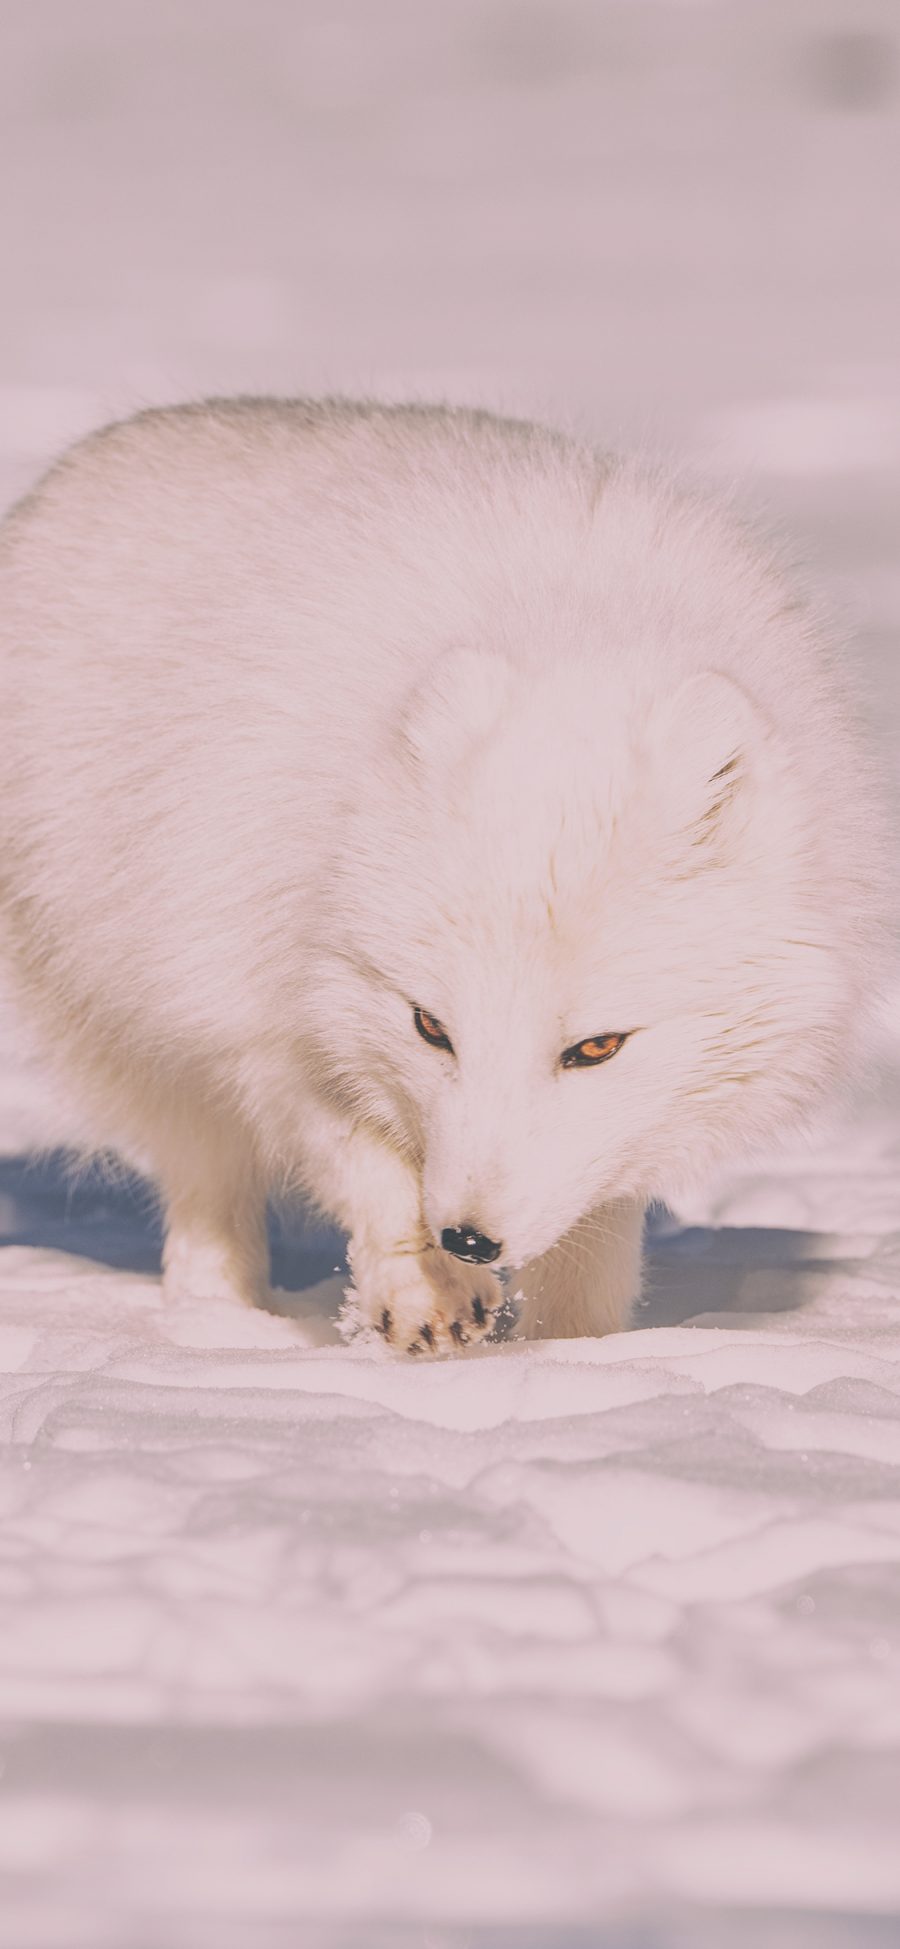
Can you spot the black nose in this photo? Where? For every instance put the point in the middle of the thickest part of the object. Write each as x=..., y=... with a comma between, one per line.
x=465, y=1243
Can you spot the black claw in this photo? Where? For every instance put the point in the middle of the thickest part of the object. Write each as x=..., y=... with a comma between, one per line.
x=427, y=1334
x=478, y=1311
x=461, y=1338
x=414, y=1347
x=386, y=1324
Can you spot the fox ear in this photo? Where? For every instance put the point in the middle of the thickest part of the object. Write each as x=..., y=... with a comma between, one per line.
x=459, y=701
x=713, y=745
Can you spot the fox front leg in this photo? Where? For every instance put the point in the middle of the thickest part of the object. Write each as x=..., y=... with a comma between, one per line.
x=418, y=1297
x=588, y=1283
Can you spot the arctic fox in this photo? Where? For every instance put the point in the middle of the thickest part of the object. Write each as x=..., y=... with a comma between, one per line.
x=414, y=810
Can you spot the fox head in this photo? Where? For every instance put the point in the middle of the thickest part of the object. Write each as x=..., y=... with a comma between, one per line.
x=580, y=951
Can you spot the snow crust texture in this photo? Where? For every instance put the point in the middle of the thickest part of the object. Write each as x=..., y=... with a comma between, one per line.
x=545, y=1633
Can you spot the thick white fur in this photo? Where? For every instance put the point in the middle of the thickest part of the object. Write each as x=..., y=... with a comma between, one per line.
x=314, y=712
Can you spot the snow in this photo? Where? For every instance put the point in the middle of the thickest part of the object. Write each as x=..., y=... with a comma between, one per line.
x=579, y=1644
x=296, y=1629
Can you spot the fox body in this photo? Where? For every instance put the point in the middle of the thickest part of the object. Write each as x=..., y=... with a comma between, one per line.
x=416, y=811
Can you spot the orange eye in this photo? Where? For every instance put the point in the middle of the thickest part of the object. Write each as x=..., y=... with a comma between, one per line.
x=431, y=1030
x=595, y=1049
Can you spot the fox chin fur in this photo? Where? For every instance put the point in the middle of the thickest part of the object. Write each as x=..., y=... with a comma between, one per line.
x=318, y=713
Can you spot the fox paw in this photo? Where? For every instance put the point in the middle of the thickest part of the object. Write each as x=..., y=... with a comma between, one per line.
x=426, y=1302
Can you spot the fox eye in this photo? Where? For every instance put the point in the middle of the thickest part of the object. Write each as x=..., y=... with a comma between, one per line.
x=431, y=1030
x=595, y=1049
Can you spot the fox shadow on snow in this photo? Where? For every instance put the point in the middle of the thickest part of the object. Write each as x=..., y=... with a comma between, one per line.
x=114, y=1221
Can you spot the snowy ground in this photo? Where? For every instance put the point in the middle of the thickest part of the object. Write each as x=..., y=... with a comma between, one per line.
x=306, y=1648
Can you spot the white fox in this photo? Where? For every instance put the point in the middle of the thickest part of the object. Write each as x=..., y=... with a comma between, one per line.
x=414, y=810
